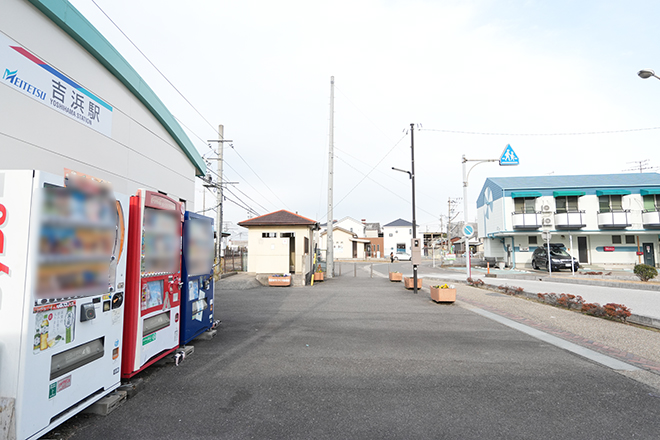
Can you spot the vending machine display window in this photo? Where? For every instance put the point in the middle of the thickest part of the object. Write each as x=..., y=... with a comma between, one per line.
x=161, y=252
x=152, y=294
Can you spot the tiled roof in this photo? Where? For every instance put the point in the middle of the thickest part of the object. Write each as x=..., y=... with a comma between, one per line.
x=278, y=218
x=497, y=187
x=579, y=181
x=399, y=222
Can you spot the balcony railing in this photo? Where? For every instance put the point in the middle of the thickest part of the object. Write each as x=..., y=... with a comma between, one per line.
x=614, y=219
x=569, y=220
x=651, y=219
x=526, y=220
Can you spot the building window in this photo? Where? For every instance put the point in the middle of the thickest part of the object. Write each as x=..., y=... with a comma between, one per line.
x=567, y=204
x=400, y=247
x=532, y=239
x=525, y=205
x=287, y=234
x=409, y=231
x=377, y=247
x=268, y=234
x=616, y=239
x=630, y=239
x=611, y=203
x=306, y=245
x=652, y=202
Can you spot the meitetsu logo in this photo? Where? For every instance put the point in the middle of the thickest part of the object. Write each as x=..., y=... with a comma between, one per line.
x=13, y=78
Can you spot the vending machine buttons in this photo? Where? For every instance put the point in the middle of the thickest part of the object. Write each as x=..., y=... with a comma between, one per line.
x=87, y=312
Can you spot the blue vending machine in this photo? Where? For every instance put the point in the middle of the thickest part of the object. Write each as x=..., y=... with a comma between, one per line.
x=197, y=277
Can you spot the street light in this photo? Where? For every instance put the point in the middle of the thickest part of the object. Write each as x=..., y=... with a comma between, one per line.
x=647, y=73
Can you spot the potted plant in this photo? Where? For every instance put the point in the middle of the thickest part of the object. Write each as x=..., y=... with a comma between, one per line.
x=318, y=275
x=410, y=284
x=395, y=276
x=443, y=293
x=279, y=280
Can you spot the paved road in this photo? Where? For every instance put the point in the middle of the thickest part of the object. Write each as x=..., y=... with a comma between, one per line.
x=360, y=357
x=641, y=302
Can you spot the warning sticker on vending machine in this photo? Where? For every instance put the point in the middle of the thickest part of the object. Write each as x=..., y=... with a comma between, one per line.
x=54, y=324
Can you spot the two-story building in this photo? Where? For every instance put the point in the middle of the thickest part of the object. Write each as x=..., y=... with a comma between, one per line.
x=603, y=219
x=397, y=236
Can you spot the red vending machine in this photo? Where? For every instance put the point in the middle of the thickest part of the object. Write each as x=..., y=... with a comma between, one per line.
x=153, y=281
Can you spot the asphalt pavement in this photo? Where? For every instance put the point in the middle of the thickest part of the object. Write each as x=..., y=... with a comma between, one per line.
x=361, y=357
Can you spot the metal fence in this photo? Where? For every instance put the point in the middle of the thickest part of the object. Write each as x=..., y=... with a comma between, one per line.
x=234, y=260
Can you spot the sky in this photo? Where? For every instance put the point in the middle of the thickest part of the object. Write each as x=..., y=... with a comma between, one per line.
x=555, y=80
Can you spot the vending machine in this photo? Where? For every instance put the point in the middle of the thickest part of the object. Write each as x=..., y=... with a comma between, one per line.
x=197, y=297
x=153, y=280
x=62, y=275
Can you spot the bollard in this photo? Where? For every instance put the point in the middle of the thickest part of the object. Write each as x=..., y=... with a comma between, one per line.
x=488, y=266
x=354, y=270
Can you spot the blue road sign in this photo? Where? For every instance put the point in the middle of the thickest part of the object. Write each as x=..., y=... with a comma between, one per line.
x=509, y=157
x=468, y=230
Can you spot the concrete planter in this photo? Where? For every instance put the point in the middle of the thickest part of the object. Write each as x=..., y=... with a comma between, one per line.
x=279, y=281
x=409, y=283
x=443, y=295
x=395, y=276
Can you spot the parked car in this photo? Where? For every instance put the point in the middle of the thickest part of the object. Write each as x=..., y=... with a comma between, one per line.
x=402, y=256
x=560, y=258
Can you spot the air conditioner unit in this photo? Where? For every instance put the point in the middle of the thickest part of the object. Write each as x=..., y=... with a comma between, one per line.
x=545, y=208
x=547, y=221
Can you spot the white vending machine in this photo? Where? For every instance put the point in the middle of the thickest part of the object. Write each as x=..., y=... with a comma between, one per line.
x=62, y=276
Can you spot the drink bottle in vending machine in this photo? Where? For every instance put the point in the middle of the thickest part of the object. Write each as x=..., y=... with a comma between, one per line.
x=62, y=276
x=197, y=295
x=153, y=281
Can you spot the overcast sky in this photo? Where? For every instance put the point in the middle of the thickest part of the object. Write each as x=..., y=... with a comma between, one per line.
x=520, y=68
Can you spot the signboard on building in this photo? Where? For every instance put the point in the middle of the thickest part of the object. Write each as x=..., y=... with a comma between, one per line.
x=29, y=75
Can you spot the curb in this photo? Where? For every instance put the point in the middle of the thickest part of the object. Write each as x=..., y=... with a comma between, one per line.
x=633, y=319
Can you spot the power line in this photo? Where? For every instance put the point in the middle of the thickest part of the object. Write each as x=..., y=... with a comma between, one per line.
x=187, y=101
x=585, y=133
x=258, y=177
x=367, y=175
x=154, y=66
x=381, y=185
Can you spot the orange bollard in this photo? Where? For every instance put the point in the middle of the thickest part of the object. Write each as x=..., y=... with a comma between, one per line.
x=488, y=265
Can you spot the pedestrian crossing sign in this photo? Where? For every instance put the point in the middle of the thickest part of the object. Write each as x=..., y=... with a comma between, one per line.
x=509, y=157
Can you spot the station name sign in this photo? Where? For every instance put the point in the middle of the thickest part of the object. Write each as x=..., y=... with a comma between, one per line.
x=29, y=75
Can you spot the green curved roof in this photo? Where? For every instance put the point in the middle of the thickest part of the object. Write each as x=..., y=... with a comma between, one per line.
x=67, y=17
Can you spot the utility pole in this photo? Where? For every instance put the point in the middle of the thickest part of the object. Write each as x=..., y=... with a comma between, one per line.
x=220, y=141
x=329, y=253
x=221, y=147
x=414, y=216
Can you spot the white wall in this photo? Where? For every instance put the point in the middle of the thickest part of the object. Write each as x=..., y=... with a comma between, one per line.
x=140, y=153
x=271, y=255
x=351, y=225
x=400, y=234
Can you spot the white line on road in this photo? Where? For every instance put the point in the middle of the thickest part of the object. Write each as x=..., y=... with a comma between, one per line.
x=602, y=359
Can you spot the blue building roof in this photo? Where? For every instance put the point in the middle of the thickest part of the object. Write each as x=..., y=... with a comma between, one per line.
x=498, y=187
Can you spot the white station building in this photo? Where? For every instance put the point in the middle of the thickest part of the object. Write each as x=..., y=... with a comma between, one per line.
x=605, y=219
x=70, y=100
